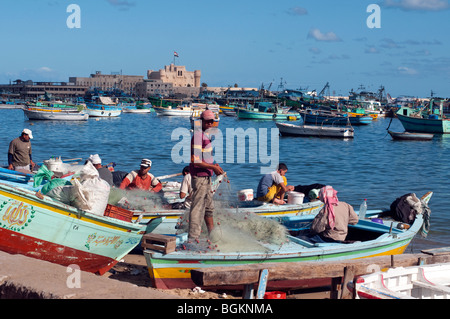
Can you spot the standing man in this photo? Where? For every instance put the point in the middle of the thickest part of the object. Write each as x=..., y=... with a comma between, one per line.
x=19, y=153
x=142, y=179
x=202, y=168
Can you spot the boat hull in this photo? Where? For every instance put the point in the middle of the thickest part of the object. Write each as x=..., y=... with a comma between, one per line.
x=410, y=136
x=49, y=230
x=254, y=115
x=104, y=113
x=318, y=119
x=312, y=130
x=58, y=115
x=415, y=124
x=172, y=112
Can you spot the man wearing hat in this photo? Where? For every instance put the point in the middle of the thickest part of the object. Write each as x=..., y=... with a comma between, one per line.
x=103, y=172
x=142, y=179
x=202, y=168
x=19, y=152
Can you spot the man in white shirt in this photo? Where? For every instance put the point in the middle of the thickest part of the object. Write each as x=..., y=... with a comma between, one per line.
x=273, y=186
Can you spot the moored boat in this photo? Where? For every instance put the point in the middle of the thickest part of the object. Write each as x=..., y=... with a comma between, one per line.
x=55, y=111
x=411, y=136
x=287, y=129
x=370, y=237
x=103, y=106
x=43, y=228
x=319, y=117
x=416, y=282
x=265, y=111
x=427, y=119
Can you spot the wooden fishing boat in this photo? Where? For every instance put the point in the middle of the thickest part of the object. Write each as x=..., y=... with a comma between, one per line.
x=103, y=106
x=183, y=110
x=262, y=110
x=46, y=229
x=319, y=117
x=369, y=238
x=138, y=109
x=315, y=130
x=428, y=119
x=54, y=111
x=417, y=282
x=411, y=136
x=289, y=213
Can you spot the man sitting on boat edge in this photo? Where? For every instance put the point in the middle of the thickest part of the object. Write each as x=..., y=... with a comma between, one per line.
x=142, y=179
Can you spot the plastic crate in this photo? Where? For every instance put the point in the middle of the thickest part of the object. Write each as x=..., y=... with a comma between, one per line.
x=118, y=213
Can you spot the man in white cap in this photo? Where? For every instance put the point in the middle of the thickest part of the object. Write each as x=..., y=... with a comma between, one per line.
x=202, y=168
x=19, y=152
x=103, y=172
x=142, y=179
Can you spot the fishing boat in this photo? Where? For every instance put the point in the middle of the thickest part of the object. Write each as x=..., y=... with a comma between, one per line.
x=40, y=227
x=322, y=117
x=103, y=106
x=416, y=282
x=54, y=111
x=265, y=111
x=182, y=110
x=426, y=119
x=411, y=136
x=370, y=237
x=289, y=213
x=287, y=129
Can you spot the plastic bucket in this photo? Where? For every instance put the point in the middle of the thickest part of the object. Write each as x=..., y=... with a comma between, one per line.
x=54, y=165
x=295, y=198
x=245, y=195
x=275, y=295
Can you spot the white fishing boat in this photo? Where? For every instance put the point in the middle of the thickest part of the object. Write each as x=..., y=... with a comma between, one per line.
x=418, y=282
x=315, y=130
x=53, y=111
x=183, y=110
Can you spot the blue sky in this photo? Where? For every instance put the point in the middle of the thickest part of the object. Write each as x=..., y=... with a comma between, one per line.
x=306, y=43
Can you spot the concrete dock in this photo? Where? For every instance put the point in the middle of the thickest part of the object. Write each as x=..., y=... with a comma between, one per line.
x=23, y=277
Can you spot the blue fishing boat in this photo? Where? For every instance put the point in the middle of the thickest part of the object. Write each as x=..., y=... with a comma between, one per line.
x=265, y=111
x=321, y=117
x=377, y=236
x=102, y=106
x=426, y=119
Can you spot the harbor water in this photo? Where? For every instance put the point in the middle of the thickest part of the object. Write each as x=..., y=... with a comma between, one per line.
x=370, y=166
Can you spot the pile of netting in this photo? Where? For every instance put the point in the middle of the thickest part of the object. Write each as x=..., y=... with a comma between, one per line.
x=234, y=230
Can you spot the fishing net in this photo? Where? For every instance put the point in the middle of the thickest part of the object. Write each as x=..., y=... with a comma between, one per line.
x=234, y=230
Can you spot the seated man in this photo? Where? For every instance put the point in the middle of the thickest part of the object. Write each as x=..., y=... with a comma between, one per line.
x=273, y=186
x=104, y=172
x=186, y=188
x=335, y=220
x=142, y=179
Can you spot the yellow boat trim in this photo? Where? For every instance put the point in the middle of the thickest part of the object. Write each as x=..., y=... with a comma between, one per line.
x=60, y=211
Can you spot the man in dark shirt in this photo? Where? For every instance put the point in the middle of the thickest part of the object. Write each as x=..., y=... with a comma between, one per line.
x=19, y=152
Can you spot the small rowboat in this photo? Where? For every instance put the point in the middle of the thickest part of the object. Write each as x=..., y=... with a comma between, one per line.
x=370, y=237
x=418, y=282
x=315, y=130
x=411, y=136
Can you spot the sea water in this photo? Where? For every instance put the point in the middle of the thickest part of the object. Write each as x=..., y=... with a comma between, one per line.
x=370, y=166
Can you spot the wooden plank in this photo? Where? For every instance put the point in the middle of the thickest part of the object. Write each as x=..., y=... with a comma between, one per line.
x=249, y=274
x=437, y=251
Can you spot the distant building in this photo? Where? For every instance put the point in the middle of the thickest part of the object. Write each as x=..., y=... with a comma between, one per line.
x=33, y=90
x=177, y=75
x=106, y=82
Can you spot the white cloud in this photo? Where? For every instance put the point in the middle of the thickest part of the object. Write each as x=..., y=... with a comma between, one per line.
x=319, y=36
x=297, y=11
x=419, y=5
x=371, y=50
x=406, y=71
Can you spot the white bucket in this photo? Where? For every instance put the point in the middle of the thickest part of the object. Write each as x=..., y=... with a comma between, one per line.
x=295, y=198
x=245, y=195
x=54, y=164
